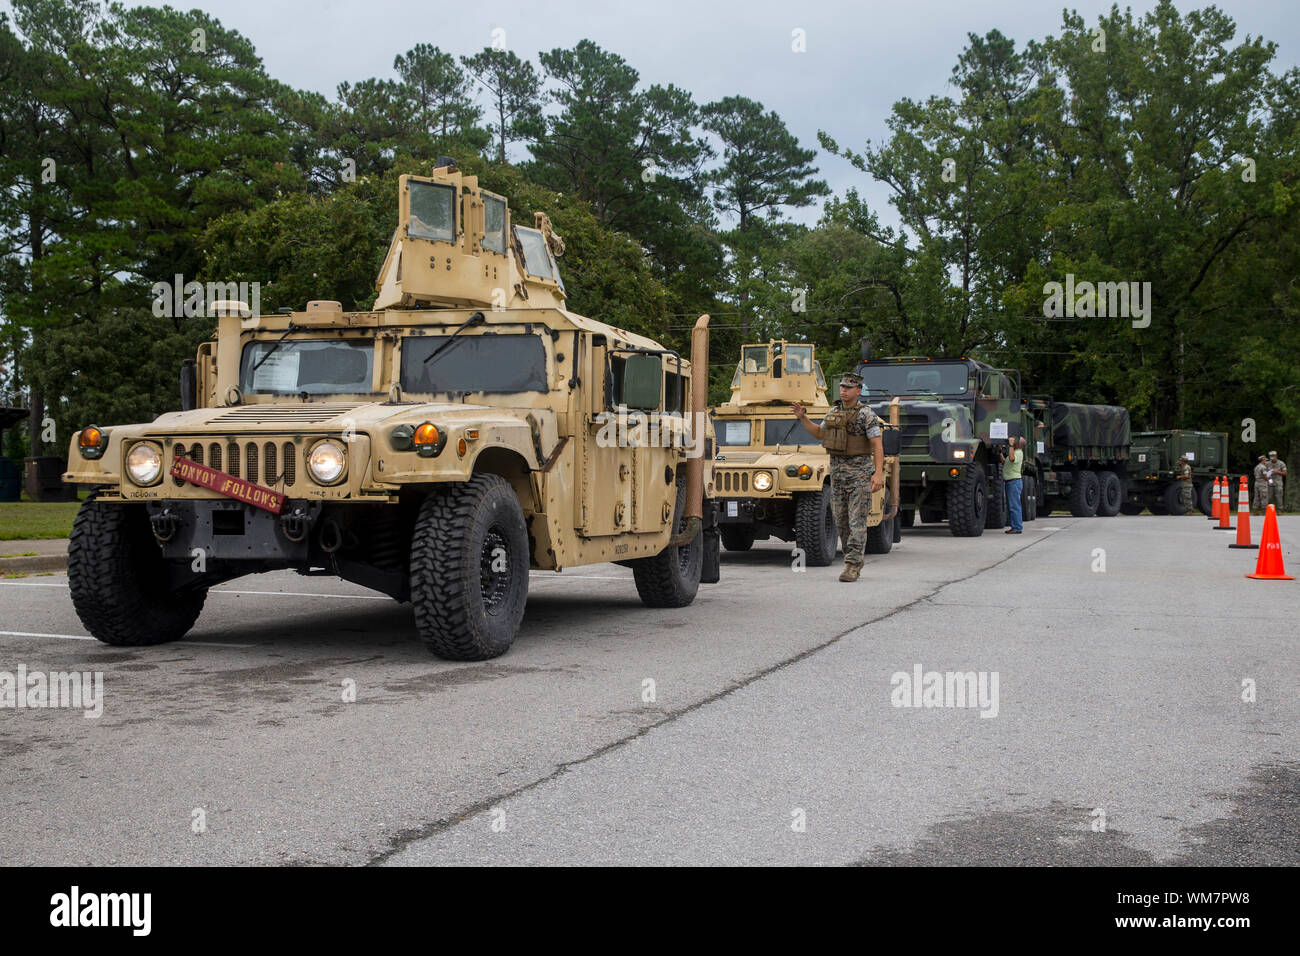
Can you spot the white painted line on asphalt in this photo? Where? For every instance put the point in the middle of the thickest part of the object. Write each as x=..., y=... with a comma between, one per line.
x=85, y=637
x=359, y=597
x=32, y=584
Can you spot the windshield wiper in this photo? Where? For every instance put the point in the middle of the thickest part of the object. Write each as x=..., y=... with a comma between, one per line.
x=475, y=319
x=786, y=434
x=272, y=350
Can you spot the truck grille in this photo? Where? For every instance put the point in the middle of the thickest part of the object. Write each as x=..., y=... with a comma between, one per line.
x=258, y=461
x=733, y=481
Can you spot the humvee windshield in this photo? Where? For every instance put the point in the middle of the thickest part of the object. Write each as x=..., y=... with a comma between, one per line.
x=787, y=431
x=433, y=212
x=314, y=366
x=929, y=378
x=537, y=261
x=733, y=433
x=474, y=363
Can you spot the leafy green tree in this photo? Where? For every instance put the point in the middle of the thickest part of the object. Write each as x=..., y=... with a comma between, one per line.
x=514, y=94
x=438, y=88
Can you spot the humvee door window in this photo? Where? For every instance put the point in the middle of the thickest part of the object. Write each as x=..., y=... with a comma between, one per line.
x=787, y=431
x=494, y=216
x=733, y=433
x=433, y=212
x=313, y=366
x=753, y=359
x=537, y=260
x=474, y=363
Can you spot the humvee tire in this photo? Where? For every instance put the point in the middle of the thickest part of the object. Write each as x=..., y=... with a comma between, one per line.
x=737, y=538
x=814, y=527
x=968, y=502
x=1110, y=494
x=1085, y=494
x=672, y=577
x=1203, y=493
x=1170, y=498
x=997, y=515
x=117, y=576
x=880, y=539
x=468, y=608
x=907, y=518
x=1130, y=508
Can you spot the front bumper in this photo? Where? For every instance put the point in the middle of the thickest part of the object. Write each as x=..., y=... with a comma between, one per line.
x=229, y=530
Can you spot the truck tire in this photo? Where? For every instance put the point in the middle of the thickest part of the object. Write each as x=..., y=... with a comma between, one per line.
x=997, y=516
x=1202, y=495
x=968, y=502
x=467, y=605
x=880, y=539
x=814, y=527
x=1085, y=494
x=1110, y=494
x=117, y=576
x=931, y=516
x=1028, y=499
x=907, y=518
x=671, y=578
x=1170, y=499
x=1157, y=508
x=737, y=537
x=1130, y=508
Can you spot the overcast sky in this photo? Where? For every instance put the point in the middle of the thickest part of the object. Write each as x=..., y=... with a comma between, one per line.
x=861, y=57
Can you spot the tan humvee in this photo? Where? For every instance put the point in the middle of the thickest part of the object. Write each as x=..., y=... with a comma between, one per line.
x=436, y=448
x=771, y=477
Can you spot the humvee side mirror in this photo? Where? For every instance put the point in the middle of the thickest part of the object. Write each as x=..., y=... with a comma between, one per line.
x=642, y=382
x=189, y=385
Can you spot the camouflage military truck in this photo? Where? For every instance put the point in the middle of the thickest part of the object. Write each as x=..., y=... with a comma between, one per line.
x=771, y=477
x=1151, y=463
x=953, y=414
x=1081, y=454
x=466, y=429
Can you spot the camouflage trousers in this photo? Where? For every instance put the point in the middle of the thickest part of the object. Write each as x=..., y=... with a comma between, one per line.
x=1185, y=496
x=1275, y=494
x=1261, y=495
x=851, y=503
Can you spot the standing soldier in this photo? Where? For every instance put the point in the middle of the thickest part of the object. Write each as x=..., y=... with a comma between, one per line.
x=1276, y=477
x=1261, y=485
x=850, y=433
x=1185, y=492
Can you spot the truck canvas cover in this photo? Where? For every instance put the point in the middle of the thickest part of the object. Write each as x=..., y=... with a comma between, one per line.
x=1089, y=426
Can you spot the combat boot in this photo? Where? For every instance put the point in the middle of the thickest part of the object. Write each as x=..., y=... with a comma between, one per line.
x=850, y=573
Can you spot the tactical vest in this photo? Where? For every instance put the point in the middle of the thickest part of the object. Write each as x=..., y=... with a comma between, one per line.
x=835, y=434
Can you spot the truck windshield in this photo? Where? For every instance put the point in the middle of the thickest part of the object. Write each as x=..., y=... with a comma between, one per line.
x=314, y=366
x=787, y=431
x=474, y=363
x=916, y=378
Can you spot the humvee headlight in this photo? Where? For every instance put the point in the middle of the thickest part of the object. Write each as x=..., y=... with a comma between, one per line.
x=762, y=481
x=143, y=463
x=959, y=453
x=91, y=442
x=326, y=462
x=428, y=440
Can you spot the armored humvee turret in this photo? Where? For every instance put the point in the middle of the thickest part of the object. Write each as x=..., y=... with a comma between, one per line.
x=771, y=477
x=466, y=429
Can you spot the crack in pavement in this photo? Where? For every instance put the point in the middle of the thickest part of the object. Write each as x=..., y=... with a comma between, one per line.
x=406, y=838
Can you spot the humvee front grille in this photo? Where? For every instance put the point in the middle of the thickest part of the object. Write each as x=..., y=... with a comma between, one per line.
x=270, y=463
x=733, y=481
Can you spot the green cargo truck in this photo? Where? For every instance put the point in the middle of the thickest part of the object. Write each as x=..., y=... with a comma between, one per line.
x=1081, y=453
x=1151, y=481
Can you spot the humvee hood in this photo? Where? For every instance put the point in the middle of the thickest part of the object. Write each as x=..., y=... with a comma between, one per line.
x=314, y=416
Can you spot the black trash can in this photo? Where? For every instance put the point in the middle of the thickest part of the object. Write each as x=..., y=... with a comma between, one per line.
x=44, y=480
x=11, y=480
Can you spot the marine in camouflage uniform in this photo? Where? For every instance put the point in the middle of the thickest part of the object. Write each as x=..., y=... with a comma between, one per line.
x=853, y=476
x=1186, y=494
x=1261, y=485
x=1276, y=480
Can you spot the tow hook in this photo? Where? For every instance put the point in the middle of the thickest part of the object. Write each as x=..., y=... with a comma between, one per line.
x=296, y=524
x=165, y=524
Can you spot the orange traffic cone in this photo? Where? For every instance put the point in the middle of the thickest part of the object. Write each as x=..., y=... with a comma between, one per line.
x=1243, y=517
x=1214, y=501
x=1269, y=567
x=1225, y=508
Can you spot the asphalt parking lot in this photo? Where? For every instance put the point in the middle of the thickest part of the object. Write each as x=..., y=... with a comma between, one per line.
x=764, y=724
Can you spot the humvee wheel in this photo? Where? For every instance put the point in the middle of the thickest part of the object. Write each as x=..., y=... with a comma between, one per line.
x=814, y=527
x=469, y=569
x=998, y=514
x=1111, y=495
x=117, y=576
x=968, y=502
x=737, y=538
x=672, y=577
x=1085, y=494
x=880, y=539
